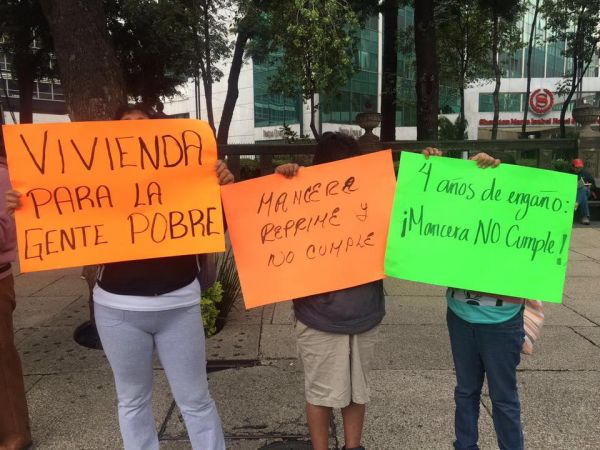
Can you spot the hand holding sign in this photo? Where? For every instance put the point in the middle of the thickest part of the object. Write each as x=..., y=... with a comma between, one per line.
x=504, y=231
x=96, y=192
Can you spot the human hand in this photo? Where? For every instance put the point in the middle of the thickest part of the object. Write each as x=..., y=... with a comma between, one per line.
x=430, y=151
x=223, y=173
x=484, y=160
x=288, y=170
x=13, y=201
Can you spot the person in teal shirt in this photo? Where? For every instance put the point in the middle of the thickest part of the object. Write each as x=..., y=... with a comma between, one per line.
x=486, y=336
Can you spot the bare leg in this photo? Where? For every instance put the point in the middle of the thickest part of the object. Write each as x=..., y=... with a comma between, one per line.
x=318, y=418
x=354, y=417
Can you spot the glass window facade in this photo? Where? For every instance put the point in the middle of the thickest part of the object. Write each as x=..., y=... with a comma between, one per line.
x=272, y=109
x=351, y=99
x=406, y=95
x=509, y=102
x=547, y=58
x=42, y=90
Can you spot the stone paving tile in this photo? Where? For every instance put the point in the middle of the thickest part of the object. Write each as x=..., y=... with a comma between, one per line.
x=577, y=255
x=38, y=311
x=22, y=334
x=583, y=269
x=283, y=313
x=583, y=288
x=74, y=315
x=52, y=350
x=175, y=445
x=255, y=402
x=413, y=347
x=593, y=334
x=414, y=410
x=67, y=285
x=394, y=286
x=240, y=315
x=234, y=341
x=29, y=283
x=557, y=314
x=560, y=348
x=588, y=307
x=415, y=310
x=30, y=381
x=79, y=411
x=245, y=444
x=278, y=342
x=557, y=410
x=585, y=238
x=267, y=313
x=588, y=252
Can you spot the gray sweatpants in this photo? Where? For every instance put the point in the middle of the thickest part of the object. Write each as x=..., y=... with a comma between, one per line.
x=129, y=339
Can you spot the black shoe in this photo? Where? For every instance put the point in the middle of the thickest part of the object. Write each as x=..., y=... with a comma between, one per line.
x=355, y=448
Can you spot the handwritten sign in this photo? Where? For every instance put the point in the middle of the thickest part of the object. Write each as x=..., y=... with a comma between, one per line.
x=96, y=192
x=323, y=230
x=504, y=231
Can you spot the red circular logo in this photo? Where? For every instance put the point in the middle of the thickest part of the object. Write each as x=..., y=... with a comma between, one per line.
x=541, y=101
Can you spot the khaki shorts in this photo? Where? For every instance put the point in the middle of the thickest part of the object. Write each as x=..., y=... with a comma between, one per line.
x=336, y=366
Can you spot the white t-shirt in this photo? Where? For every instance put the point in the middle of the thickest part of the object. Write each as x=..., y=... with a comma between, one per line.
x=186, y=296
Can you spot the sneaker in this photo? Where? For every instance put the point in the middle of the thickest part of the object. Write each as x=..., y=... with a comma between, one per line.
x=585, y=220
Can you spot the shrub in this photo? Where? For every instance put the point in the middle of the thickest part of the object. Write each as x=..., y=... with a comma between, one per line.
x=210, y=309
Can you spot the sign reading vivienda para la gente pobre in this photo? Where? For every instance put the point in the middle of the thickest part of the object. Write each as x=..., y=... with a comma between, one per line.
x=97, y=192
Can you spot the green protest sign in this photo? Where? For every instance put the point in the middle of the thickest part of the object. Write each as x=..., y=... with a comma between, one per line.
x=504, y=231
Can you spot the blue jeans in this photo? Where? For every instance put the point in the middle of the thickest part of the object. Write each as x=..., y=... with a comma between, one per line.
x=493, y=350
x=583, y=195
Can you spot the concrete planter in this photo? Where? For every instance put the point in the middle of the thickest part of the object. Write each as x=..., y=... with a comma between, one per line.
x=586, y=116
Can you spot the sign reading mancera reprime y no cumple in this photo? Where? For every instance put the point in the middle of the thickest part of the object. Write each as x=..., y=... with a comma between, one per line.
x=323, y=230
x=504, y=230
x=96, y=192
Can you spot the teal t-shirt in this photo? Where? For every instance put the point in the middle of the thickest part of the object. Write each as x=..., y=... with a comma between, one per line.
x=475, y=307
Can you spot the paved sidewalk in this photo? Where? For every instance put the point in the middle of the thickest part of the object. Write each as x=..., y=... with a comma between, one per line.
x=73, y=406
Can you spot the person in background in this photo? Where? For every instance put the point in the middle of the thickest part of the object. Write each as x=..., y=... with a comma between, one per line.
x=143, y=305
x=586, y=187
x=160, y=111
x=14, y=418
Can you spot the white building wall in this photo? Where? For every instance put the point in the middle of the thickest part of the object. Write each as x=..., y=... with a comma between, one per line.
x=516, y=85
x=37, y=118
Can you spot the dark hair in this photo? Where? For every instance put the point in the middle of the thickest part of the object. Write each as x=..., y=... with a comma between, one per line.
x=127, y=108
x=334, y=146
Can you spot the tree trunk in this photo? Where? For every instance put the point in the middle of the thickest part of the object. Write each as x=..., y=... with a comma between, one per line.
x=565, y=106
x=208, y=99
x=313, y=125
x=25, y=70
x=461, y=116
x=389, y=72
x=90, y=72
x=498, y=77
x=427, y=83
x=208, y=68
x=529, y=50
x=232, y=87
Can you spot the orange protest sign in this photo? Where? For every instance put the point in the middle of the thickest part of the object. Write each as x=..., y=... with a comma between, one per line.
x=323, y=230
x=97, y=192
